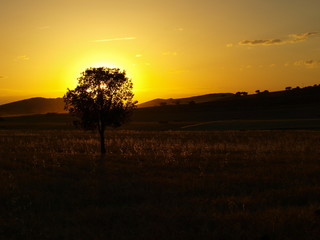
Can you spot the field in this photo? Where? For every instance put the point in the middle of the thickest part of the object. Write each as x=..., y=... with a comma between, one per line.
x=254, y=184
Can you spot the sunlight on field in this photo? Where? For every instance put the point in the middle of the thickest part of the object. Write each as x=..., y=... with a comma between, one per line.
x=199, y=185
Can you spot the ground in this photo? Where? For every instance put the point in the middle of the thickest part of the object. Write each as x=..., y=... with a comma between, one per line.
x=160, y=185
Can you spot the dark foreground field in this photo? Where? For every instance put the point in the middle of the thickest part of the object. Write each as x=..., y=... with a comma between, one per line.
x=160, y=185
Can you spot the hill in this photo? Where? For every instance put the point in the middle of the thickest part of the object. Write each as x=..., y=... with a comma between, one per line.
x=294, y=109
x=180, y=101
x=56, y=105
x=294, y=104
x=33, y=106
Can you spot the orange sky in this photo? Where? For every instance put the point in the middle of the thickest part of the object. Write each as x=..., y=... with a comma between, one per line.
x=170, y=48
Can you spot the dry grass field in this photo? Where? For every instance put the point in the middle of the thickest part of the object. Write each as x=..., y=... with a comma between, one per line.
x=160, y=185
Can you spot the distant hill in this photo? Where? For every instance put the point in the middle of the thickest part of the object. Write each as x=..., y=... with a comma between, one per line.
x=56, y=105
x=179, y=101
x=299, y=103
x=293, y=109
x=33, y=106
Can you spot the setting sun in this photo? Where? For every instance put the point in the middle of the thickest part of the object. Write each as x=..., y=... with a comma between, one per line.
x=160, y=120
x=224, y=47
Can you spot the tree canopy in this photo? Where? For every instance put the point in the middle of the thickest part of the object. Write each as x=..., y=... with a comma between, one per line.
x=103, y=97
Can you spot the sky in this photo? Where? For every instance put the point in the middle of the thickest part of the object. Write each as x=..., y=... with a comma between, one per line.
x=169, y=48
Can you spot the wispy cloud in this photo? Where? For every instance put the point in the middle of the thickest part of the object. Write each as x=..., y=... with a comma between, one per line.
x=114, y=39
x=265, y=42
x=308, y=63
x=169, y=53
x=293, y=38
x=22, y=58
x=304, y=36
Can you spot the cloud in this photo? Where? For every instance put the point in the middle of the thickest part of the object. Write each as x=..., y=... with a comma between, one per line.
x=114, y=39
x=261, y=42
x=229, y=45
x=293, y=38
x=304, y=36
x=22, y=58
x=169, y=53
x=308, y=63
x=138, y=55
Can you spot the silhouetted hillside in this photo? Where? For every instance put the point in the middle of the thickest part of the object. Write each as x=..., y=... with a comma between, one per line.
x=44, y=105
x=294, y=109
x=189, y=100
x=33, y=106
x=293, y=104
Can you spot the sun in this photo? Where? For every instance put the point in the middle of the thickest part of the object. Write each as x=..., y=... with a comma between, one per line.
x=75, y=69
x=105, y=64
x=77, y=64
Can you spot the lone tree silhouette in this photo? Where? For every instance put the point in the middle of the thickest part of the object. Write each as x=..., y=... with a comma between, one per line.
x=103, y=97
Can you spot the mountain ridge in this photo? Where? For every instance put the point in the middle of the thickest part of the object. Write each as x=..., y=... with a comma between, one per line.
x=187, y=100
x=30, y=106
x=41, y=105
x=295, y=103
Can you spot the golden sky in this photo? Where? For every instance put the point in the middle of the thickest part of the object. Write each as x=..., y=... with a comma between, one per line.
x=170, y=48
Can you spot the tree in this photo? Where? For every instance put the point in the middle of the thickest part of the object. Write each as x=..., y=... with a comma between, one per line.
x=163, y=104
x=103, y=97
x=239, y=94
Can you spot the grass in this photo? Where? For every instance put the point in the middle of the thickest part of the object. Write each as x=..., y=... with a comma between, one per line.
x=53, y=121
x=160, y=185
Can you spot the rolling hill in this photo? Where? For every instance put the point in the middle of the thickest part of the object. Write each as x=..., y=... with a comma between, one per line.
x=294, y=104
x=294, y=109
x=180, y=101
x=33, y=106
x=56, y=105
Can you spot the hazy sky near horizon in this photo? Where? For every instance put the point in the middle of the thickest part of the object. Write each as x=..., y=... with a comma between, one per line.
x=170, y=48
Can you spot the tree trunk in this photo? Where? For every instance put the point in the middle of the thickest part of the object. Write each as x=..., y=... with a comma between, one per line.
x=102, y=144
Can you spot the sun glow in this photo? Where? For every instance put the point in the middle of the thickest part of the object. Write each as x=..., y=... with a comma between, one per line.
x=167, y=57
x=75, y=66
x=78, y=65
x=104, y=64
